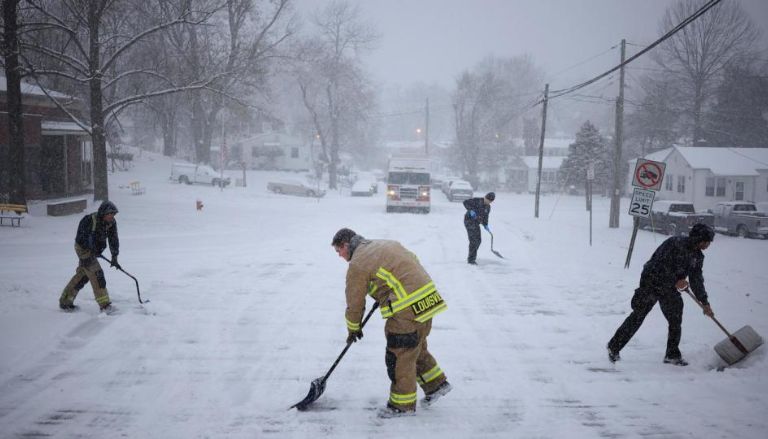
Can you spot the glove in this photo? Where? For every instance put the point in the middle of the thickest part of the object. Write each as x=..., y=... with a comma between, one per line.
x=354, y=336
x=114, y=263
x=487, y=228
x=708, y=311
x=472, y=214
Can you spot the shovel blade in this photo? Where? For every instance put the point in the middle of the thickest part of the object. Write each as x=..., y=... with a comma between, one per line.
x=497, y=253
x=732, y=349
x=315, y=390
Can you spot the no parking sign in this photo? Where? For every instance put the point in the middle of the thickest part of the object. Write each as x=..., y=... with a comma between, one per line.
x=648, y=174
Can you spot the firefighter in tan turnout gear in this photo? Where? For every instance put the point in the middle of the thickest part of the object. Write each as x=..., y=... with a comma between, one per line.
x=408, y=300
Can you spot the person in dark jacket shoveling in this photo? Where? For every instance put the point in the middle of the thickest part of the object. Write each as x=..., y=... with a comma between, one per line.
x=478, y=211
x=677, y=262
x=94, y=232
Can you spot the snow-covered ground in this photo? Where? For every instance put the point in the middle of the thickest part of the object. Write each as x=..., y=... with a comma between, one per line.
x=247, y=309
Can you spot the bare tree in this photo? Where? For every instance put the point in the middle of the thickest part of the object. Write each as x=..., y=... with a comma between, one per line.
x=333, y=84
x=697, y=55
x=87, y=44
x=653, y=124
x=489, y=103
x=238, y=46
x=14, y=165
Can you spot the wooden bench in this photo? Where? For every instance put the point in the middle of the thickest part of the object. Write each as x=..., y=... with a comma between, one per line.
x=14, y=220
x=137, y=189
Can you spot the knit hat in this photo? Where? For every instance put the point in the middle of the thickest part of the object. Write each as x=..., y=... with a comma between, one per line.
x=700, y=233
x=490, y=196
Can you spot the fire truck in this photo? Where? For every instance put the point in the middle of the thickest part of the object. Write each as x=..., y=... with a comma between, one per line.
x=408, y=183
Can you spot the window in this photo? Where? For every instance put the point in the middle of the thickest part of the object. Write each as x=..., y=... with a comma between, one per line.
x=709, y=190
x=86, y=165
x=294, y=152
x=681, y=184
x=668, y=182
x=739, y=191
x=715, y=187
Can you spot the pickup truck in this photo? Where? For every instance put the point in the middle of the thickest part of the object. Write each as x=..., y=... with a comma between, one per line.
x=202, y=174
x=740, y=218
x=674, y=217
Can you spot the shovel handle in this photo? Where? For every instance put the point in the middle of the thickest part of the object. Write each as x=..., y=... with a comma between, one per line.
x=688, y=290
x=346, y=348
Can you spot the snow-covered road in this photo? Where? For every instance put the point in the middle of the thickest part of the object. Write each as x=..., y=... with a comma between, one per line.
x=246, y=309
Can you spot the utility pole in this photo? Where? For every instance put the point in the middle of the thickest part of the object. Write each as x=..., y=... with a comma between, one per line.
x=541, y=148
x=426, y=129
x=613, y=220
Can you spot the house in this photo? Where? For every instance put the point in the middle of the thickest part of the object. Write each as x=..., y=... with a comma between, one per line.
x=550, y=169
x=707, y=175
x=274, y=150
x=57, y=151
x=522, y=173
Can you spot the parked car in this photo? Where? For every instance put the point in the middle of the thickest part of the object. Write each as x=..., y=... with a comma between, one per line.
x=740, y=218
x=363, y=188
x=674, y=217
x=190, y=173
x=460, y=190
x=446, y=185
x=368, y=178
x=294, y=187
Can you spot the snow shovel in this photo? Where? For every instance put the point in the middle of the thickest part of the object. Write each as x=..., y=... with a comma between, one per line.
x=738, y=345
x=494, y=251
x=318, y=385
x=129, y=275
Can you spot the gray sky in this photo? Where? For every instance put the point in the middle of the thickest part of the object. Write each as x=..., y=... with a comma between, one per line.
x=434, y=40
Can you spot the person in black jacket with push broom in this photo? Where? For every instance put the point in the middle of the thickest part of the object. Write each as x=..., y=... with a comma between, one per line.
x=676, y=262
x=478, y=211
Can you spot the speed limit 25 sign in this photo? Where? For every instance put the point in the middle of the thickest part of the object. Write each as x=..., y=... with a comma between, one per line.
x=642, y=200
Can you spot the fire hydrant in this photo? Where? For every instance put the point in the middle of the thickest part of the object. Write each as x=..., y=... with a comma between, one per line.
x=199, y=205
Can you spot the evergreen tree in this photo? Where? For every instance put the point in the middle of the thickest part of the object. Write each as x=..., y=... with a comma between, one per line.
x=589, y=146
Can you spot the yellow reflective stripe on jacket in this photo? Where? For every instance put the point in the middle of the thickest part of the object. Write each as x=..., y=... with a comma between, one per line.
x=402, y=399
x=414, y=297
x=392, y=282
x=372, y=287
x=352, y=326
x=429, y=375
x=425, y=301
x=431, y=313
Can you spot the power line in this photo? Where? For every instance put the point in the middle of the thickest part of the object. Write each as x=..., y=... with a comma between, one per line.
x=585, y=61
x=709, y=5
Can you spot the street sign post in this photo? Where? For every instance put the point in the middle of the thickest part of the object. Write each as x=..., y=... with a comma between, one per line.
x=647, y=180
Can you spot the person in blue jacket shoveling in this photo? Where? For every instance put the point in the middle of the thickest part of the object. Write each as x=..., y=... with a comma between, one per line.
x=478, y=211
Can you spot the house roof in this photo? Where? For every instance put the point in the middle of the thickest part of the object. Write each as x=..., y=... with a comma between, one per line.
x=58, y=127
x=548, y=162
x=29, y=89
x=721, y=161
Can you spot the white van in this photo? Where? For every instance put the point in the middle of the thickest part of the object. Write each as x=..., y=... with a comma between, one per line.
x=203, y=174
